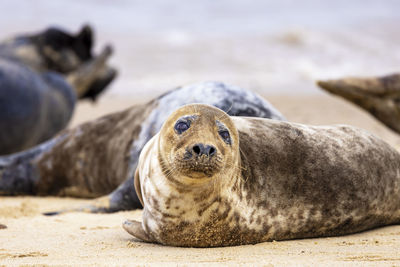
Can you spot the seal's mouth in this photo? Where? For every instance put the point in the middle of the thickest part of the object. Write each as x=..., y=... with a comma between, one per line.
x=198, y=166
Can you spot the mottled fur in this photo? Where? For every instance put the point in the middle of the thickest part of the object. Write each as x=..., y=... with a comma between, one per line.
x=278, y=181
x=101, y=156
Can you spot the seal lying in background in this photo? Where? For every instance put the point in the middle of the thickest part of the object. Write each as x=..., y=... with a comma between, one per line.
x=98, y=157
x=58, y=51
x=207, y=179
x=34, y=107
x=380, y=96
x=40, y=78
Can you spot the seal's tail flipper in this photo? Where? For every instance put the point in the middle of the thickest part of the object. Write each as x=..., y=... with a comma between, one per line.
x=83, y=78
x=122, y=198
x=379, y=96
x=105, y=77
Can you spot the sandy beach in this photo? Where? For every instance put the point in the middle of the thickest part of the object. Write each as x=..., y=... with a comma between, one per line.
x=275, y=48
x=99, y=240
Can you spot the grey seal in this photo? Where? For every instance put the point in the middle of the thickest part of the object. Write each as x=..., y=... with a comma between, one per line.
x=100, y=157
x=208, y=179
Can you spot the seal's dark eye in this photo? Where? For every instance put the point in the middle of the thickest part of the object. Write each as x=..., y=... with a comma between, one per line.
x=181, y=126
x=225, y=136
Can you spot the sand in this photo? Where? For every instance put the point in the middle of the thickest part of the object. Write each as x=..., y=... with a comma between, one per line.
x=99, y=240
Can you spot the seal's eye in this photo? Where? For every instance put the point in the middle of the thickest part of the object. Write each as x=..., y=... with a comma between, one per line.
x=181, y=126
x=225, y=136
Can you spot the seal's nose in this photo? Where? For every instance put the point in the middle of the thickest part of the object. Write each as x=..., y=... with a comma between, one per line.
x=201, y=149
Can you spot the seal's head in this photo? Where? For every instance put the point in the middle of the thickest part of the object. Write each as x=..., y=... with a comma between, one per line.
x=191, y=163
x=198, y=142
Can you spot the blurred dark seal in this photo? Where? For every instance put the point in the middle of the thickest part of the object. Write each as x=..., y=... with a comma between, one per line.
x=41, y=76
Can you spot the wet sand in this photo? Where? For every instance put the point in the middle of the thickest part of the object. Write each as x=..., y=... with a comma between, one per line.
x=99, y=240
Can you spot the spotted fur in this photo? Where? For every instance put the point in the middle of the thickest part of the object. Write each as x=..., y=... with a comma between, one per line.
x=279, y=181
x=100, y=157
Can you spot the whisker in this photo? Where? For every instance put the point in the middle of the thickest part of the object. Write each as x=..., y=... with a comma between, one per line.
x=226, y=111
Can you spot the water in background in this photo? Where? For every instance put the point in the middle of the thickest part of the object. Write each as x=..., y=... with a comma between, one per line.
x=265, y=45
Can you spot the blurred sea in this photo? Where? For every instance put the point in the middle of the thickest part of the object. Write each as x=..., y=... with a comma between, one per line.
x=272, y=47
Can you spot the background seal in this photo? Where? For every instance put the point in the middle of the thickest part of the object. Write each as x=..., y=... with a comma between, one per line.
x=100, y=157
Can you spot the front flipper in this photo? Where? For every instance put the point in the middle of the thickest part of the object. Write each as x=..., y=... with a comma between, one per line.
x=135, y=228
x=122, y=198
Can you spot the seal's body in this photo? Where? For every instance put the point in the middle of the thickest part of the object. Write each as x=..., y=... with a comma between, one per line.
x=57, y=51
x=41, y=76
x=208, y=180
x=33, y=107
x=101, y=156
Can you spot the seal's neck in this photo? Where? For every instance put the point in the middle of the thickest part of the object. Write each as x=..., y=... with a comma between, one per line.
x=202, y=210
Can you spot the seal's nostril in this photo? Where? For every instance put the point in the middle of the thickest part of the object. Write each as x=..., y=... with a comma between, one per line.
x=196, y=149
x=211, y=151
x=207, y=150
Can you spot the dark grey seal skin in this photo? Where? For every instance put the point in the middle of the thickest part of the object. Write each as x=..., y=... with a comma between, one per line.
x=58, y=51
x=380, y=96
x=100, y=157
x=208, y=179
x=41, y=77
x=33, y=108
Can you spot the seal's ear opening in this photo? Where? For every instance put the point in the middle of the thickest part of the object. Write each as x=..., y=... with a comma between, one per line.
x=137, y=186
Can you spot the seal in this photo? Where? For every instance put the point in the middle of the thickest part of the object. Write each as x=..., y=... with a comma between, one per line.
x=35, y=107
x=380, y=96
x=59, y=51
x=208, y=179
x=100, y=157
x=41, y=77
